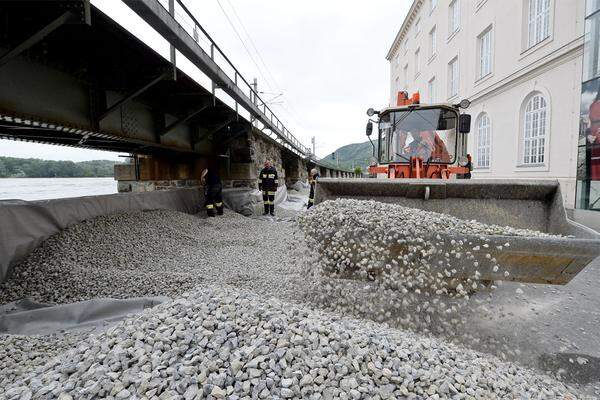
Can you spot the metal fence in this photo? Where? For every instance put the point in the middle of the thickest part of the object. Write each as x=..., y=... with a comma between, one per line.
x=281, y=134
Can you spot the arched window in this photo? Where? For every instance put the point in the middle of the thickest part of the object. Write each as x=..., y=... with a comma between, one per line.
x=535, y=128
x=484, y=141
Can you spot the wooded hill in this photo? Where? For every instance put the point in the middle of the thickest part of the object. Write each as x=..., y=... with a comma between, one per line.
x=357, y=154
x=11, y=167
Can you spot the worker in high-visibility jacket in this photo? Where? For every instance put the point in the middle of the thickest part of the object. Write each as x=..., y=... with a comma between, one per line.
x=213, y=191
x=312, y=180
x=267, y=184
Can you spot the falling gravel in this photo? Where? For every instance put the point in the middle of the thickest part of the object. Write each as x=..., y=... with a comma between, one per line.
x=415, y=268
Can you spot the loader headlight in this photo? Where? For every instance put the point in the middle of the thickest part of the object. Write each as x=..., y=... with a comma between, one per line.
x=464, y=103
x=371, y=112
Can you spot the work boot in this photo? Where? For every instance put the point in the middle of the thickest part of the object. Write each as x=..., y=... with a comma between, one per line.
x=266, y=212
x=210, y=212
x=272, y=210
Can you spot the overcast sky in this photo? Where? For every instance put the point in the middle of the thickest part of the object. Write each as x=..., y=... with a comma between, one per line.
x=326, y=56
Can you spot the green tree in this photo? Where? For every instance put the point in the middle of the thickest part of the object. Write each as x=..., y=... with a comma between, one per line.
x=358, y=171
x=36, y=168
x=3, y=170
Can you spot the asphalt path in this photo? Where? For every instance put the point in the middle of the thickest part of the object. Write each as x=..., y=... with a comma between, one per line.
x=549, y=327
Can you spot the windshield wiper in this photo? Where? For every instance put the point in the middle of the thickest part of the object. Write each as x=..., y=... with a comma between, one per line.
x=400, y=155
x=401, y=119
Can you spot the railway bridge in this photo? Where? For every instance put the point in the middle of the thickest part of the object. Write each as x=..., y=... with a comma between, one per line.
x=72, y=75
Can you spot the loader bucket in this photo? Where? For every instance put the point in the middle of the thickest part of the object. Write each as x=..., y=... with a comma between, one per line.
x=527, y=204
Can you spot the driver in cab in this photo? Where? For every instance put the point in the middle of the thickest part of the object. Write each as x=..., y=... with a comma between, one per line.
x=426, y=145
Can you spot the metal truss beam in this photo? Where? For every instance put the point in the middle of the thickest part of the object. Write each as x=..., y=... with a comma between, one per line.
x=183, y=120
x=132, y=95
x=217, y=129
x=65, y=18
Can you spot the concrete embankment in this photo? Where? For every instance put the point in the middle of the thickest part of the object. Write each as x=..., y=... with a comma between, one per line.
x=252, y=315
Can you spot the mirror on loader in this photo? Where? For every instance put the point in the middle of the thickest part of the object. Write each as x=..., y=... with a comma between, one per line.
x=369, y=128
x=464, y=123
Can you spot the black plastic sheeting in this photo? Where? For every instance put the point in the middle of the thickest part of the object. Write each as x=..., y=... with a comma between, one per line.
x=26, y=317
x=26, y=224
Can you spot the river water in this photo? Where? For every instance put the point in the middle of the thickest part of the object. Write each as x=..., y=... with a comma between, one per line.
x=54, y=188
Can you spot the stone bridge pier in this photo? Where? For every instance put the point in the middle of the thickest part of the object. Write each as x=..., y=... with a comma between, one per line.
x=240, y=158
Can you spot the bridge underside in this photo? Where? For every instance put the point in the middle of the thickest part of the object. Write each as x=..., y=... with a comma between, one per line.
x=72, y=76
x=87, y=82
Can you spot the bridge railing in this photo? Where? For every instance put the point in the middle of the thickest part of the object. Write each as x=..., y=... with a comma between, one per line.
x=191, y=25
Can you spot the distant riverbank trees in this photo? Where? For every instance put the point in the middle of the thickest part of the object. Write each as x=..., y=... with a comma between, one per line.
x=11, y=167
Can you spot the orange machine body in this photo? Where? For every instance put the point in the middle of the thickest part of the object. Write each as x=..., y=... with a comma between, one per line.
x=416, y=169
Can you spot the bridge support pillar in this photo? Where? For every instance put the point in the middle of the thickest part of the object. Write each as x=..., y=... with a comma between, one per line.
x=145, y=174
x=296, y=169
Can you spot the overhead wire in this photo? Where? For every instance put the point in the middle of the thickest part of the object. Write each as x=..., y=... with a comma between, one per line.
x=287, y=106
x=243, y=44
x=274, y=81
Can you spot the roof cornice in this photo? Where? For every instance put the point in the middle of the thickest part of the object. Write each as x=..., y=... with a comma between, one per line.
x=416, y=6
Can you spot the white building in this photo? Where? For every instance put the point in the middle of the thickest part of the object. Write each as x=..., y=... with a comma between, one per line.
x=520, y=64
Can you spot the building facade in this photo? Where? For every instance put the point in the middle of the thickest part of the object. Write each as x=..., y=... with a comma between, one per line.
x=520, y=64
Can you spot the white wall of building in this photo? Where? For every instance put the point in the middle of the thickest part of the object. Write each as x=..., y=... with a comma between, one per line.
x=518, y=71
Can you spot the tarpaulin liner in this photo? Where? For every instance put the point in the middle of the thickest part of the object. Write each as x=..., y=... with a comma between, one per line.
x=25, y=317
x=25, y=224
x=247, y=201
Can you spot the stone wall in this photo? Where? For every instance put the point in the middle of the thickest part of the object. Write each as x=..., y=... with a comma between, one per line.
x=158, y=174
x=150, y=186
x=236, y=175
x=263, y=148
x=296, y=169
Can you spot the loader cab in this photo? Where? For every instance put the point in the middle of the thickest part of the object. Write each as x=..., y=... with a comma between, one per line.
x=436, y=133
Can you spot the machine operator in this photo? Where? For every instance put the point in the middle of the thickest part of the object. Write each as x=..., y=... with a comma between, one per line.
x=425, y=145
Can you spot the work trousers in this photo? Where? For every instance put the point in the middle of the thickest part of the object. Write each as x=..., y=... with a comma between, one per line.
x=269, y=201
x=214, y=199
x=311, y=196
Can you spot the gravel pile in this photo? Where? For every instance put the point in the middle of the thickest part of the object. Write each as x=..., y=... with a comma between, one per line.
x=218, y=343
x=20, y=355
x=156, y=253
x=227, y=336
